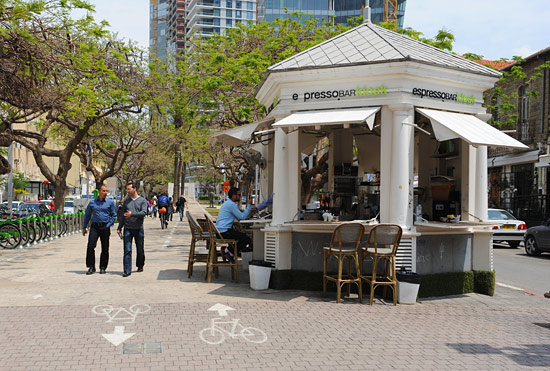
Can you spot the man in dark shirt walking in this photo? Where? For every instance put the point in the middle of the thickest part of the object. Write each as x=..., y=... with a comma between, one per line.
x=134, y=210
x=102, y=213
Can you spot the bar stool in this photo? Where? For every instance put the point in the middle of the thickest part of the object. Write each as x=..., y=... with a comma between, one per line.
x=345, y=243
x=212, y=260
x=382, y=243
x=197, y=235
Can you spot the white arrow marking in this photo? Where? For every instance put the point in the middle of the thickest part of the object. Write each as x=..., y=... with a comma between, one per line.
x=118, y=336
x=221, y=309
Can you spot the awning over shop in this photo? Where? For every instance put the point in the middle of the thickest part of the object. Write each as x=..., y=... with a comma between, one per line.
x=329, y=117
x=544, y=161
x=239, y=135
x=451, y=125
x=514, y=159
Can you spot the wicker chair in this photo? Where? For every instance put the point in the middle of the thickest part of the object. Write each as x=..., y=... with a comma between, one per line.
x=382, y=244
x=345, y=243
x=216, y=239
x=197, y=235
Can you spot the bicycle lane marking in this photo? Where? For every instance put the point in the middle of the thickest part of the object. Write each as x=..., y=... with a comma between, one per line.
x=221, y=327
x=120, y=314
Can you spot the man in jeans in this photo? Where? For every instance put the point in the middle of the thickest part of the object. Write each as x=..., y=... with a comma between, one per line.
x=134, y=210
x=228, y=213
x=102, y=213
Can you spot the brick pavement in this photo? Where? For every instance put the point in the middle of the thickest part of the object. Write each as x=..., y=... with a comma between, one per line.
x=47, y=319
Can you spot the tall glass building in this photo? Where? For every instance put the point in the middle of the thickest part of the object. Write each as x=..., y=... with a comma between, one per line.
x=207, y=17
x=268, y=10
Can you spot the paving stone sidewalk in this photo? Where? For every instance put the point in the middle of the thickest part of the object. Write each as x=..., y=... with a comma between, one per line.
x=54, y=317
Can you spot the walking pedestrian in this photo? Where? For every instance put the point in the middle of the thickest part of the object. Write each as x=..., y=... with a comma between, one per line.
x=170, y=208
x=102, y=213
x=181, y=204
x=211, y=198
x=134, y=208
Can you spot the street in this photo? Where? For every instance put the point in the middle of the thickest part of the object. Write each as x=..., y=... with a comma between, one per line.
x=514, y=268
x=54, y=317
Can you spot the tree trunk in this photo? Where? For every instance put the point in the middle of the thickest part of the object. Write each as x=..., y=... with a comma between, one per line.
x=177, y=161
x=59, y=202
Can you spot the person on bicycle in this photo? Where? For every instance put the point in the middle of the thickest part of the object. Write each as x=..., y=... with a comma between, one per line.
x=164, y=202
x=102, y=213
x=228, y=213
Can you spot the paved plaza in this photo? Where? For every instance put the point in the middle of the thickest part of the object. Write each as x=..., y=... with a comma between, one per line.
x=54, y=317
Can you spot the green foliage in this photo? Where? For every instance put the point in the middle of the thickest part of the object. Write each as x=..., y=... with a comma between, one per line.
x=20, y=181
x=444, y=284
x=443, y=40
x=472, y=56
x=484, y=282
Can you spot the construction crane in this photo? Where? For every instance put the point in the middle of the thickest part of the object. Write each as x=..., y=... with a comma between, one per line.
x=390, y=11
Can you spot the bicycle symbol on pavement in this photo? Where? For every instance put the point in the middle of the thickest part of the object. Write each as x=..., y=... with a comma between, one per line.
x=120, y=314
x=215, y=334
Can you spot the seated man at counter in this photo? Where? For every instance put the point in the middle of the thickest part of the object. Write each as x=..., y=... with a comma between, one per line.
x=228, y=213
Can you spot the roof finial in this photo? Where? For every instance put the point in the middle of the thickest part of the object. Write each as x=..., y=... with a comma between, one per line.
x=366, y=12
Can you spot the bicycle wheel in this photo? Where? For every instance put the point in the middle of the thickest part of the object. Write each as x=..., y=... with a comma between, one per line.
x=32, y=233
x=24, y=234
x=9, y=236
x=212, y=336
x=62, y=227
x=254, y=335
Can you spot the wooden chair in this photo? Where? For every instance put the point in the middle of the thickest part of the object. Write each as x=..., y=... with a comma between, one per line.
x=382, y=244
x=216, y=239
x=197, y=235
x=345, y=243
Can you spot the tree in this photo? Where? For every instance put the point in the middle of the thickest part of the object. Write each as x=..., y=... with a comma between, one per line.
x=108, y=144
x=63, y=76
x=443, y=40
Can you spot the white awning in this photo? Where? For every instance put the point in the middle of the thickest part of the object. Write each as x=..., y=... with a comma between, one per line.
x=544, y=161
x=240, y=134
x=329, y=117
x=451, y=125
x=514, y=159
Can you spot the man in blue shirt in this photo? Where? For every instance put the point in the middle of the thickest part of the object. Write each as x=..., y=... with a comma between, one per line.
x=227, y=215
x=102, y=212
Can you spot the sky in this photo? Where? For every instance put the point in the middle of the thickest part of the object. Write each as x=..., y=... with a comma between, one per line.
x=491, y=28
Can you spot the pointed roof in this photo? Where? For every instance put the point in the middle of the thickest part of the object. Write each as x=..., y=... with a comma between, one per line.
x=369, y=44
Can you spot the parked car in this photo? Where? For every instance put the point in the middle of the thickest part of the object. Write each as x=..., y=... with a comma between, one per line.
x=69, y=207
x=509, y=229
x=14, y=204
x=34, y=206
x=537, y=239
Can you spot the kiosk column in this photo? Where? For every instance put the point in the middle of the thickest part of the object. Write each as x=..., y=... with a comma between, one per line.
x=401, y=166
x=285, y=176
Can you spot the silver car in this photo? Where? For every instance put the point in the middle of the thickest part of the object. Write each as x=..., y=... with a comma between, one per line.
x=508, y=228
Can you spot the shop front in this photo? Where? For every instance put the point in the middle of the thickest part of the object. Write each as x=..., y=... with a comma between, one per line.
x=401, y=128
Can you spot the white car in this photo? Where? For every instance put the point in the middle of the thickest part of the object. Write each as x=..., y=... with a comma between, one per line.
x=69, y=207
x=14, y=204
x=508, y=228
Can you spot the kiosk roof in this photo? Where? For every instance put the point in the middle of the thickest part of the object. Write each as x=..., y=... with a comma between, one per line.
x=367, y=44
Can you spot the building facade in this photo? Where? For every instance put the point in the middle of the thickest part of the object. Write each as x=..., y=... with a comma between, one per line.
x=208, y=17
x=172, y=20
x=520, y=180
x=342, y=10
